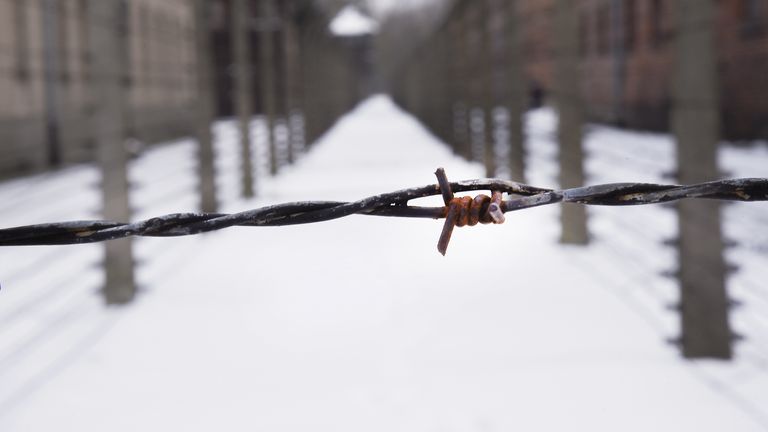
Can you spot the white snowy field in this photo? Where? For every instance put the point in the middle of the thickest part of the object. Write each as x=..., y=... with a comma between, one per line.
x=359, y=324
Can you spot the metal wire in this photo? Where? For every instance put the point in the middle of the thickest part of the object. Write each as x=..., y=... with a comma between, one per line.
x=393, y=204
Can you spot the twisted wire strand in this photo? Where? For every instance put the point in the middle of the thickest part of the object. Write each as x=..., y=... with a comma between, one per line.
x=393, y=204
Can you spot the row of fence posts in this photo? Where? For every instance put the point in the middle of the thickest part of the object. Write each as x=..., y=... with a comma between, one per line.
x=466, y=83
x=305, y=82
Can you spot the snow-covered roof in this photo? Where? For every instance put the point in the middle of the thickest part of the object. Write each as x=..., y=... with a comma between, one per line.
x=350, y=21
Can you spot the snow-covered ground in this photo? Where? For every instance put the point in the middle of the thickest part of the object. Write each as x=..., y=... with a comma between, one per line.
x=359, y=324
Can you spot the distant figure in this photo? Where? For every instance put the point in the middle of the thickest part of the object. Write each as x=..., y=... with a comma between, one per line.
x=537, y=95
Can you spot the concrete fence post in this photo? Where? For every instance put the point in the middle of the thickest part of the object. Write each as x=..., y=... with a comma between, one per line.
x=516, y=95
x=570, y=113
x=107, y=47
x=241, y=53
x=268, y=92
x=486, y=98
x=461, y=103
x=477, y=77
x=696, y=125
x=204, y=107
x=444, y=86
x=292, y=88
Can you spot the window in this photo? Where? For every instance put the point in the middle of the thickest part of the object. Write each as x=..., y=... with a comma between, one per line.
x=146, y=45
x=603, y=29
x=751, y=15
x=660, y=26
x=630, y=28
x=218, y=16
x=63, y=27
x=83, y=35
x=21, y=45
x=751, y=9
x=584, y=34
x=125, y=15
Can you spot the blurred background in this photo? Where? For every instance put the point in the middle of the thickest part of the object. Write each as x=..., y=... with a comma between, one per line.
x=600, y=318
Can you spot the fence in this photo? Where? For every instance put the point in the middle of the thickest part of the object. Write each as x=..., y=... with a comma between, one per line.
x=465, y=82
x=288, y=69
x=471, y=79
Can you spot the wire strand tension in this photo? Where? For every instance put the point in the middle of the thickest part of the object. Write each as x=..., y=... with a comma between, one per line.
x=458, y=211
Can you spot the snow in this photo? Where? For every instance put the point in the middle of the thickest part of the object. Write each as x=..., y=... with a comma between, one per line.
x=359, y=324
x=383, y=7
x=350, y=21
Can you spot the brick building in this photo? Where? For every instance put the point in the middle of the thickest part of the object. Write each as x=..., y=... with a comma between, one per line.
x=285, y=15
x=290, y=21
x=627, y=47
x=44, y=77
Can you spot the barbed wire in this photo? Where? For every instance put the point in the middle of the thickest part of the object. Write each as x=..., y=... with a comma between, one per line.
x=457, y=211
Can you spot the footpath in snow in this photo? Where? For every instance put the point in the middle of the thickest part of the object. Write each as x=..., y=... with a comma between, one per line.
x=359, y=324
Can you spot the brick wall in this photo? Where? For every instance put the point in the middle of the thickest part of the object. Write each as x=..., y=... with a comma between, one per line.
x=536, y=38
x=159, y=78
x=742, y=42
x=627, y=60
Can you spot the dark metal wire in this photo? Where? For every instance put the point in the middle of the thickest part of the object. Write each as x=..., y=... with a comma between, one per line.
x=393, y=204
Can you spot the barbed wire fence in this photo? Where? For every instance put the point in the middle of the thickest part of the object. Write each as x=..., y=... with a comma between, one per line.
x=187, y=47
x=461, y=211
x=452, y=107
x=540, y=52
x=119, y=74
x=500, y=54
x=304, y=83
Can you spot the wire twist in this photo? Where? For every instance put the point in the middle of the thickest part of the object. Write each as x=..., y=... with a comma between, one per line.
x=465, y=211
x=458, y=211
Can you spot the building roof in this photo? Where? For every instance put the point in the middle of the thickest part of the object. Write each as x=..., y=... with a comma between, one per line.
x=350, y=21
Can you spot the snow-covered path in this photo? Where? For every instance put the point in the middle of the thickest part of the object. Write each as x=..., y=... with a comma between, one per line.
x=359, y=324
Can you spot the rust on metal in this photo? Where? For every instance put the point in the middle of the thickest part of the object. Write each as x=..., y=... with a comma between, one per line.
x=479, y=204
x=463, y=211
x=463, y=204
x=495, y=211
x=391, y=204
x=445, y=186
x=445, y=235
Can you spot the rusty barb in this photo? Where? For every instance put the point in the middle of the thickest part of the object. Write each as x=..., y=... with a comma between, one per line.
x=466, y=211
x=457, y=211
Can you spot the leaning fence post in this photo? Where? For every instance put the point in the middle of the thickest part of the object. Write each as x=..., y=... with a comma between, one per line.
x=570, y=114
x=108, y=65
x=696, y=124
x=204, y=107
x=241, y=52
